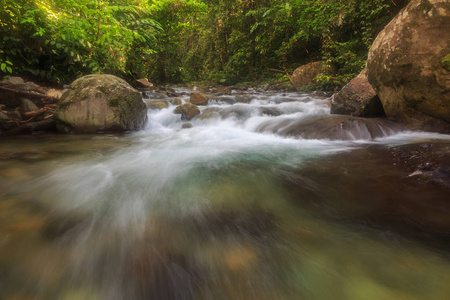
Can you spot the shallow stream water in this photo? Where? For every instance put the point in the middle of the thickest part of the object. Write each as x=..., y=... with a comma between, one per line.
x=222, y=210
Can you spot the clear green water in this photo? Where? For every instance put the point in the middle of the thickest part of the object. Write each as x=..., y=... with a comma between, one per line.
x=214, y=212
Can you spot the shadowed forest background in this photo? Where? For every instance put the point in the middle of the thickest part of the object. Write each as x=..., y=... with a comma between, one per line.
x=166, y=41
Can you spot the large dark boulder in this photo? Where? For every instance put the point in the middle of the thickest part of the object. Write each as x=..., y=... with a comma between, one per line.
x=407, y=66
x=98, y=103
x=357, y=98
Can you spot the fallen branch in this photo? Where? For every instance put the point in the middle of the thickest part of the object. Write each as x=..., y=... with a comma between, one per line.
x=36, y=113
x=30, y=94
x=32, y=115
x=31, y=127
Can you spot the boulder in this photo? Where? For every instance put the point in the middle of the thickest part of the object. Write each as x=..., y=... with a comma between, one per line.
x=187, y=111
x=198, y=98
x=97, y=103
x=357, y=98
x=407, y=66
x=4, y=117
x=304, y=75
x=27, y=106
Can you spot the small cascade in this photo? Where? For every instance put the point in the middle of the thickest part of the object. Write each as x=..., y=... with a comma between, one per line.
x=290, y=115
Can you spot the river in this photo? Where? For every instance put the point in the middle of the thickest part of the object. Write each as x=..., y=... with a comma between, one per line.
x=227, y=209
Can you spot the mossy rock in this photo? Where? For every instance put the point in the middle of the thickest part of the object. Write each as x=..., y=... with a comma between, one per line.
x=101, y=103
x=446, y=62
x=157, y=105
x=187, y=111
x=408, y=66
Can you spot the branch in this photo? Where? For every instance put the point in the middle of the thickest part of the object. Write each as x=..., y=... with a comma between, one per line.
x=29, y=94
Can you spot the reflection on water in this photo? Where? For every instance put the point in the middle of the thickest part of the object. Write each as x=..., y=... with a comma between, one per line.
x=218, y=211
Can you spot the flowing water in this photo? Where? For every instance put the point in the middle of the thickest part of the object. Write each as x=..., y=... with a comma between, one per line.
x=227, y=209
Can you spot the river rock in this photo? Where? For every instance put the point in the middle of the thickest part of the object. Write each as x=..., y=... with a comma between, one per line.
x=407, y=66
x=176, y=101
x=187, y=111
x=198, y=98
x=96, y=103
x=12, y=80
x=333, y=127
x=357, y=98
x=3, y=117
x=27, y=106
x=186, y=125
x=156, y=104
x=304, y=75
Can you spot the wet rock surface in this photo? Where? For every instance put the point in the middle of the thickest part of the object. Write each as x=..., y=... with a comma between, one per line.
x=400, y=190
x=99, y=103
x=187, y=111
x=357, y=98
x=333, y=127
x=406, y=66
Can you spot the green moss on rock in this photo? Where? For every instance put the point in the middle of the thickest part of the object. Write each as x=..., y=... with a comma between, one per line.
x=103, y=89
x=445, y=61
x=115, y=101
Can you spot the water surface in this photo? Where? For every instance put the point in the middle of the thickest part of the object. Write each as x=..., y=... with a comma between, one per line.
x=223, y=210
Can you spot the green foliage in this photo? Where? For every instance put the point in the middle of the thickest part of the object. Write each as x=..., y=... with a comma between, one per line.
x=229, y=41
x=221, y=41
x=64, y=39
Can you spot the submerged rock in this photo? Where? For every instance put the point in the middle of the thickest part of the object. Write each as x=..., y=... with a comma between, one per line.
x=401, y=190
x=153, y=272
x=96, y=103
x=407, y=66
x=333, y=127
x=357, y=98
x=250, y=222
x=157, y=105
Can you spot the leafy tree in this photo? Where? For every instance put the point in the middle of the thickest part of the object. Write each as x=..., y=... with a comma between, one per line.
x=60, y=40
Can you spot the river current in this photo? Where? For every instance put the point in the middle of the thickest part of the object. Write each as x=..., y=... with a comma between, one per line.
x=227, y=209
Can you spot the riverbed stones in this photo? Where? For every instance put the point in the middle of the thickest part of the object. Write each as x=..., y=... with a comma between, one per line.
x=357, y=98
x=198, y=98
x=407, y=66
x=187, y=111
x=101, y=103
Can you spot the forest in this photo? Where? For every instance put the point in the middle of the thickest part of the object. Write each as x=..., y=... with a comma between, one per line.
x=183, y=41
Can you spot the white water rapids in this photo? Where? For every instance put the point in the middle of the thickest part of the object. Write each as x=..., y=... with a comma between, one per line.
x=199, y=213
